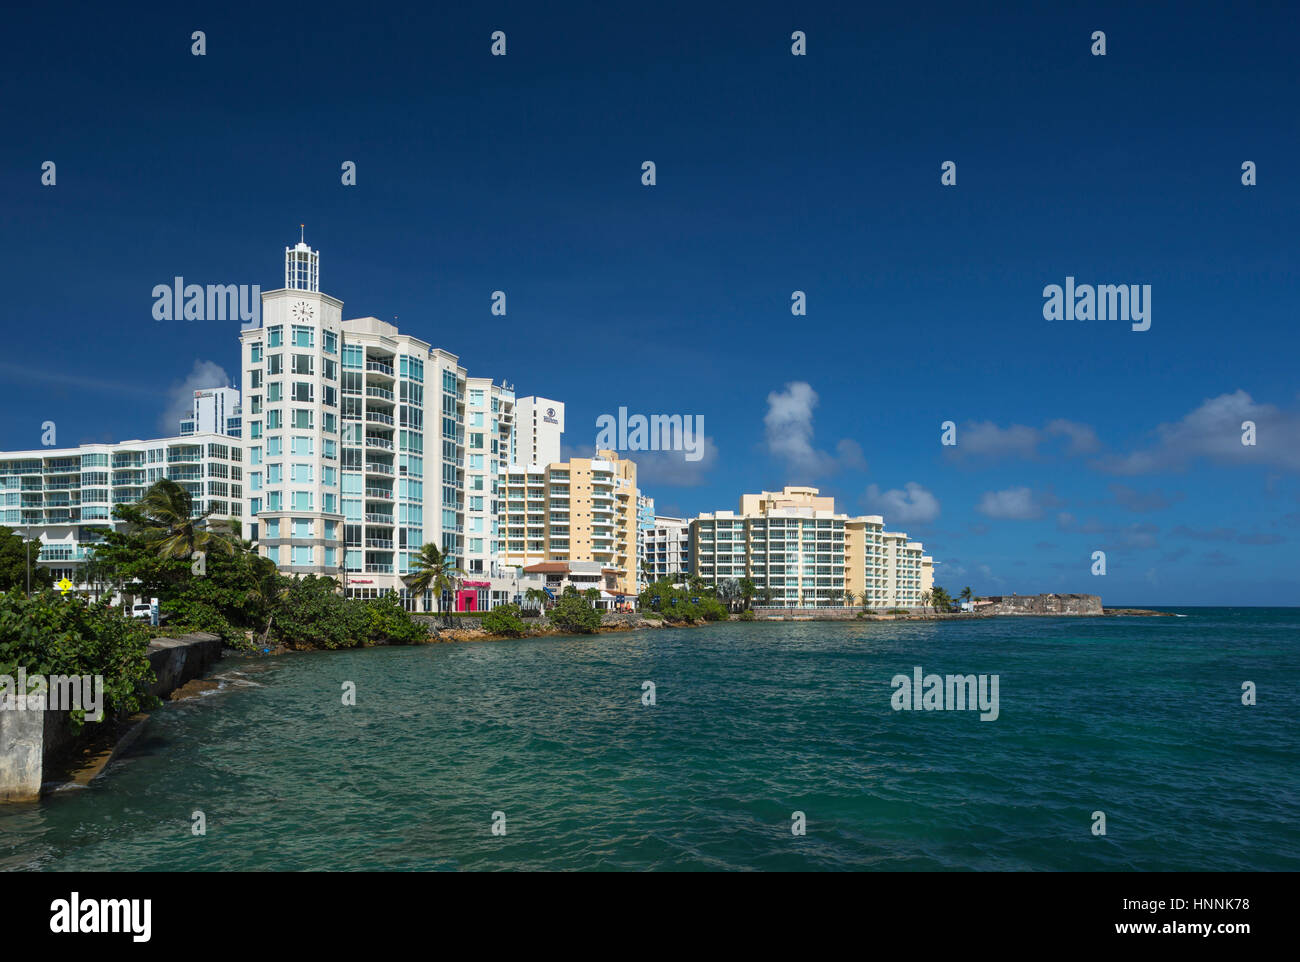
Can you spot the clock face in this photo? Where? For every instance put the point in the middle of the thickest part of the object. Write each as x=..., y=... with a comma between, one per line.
x=303, y=311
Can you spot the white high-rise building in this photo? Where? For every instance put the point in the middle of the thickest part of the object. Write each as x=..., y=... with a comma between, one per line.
x=539, y=428
x=364, y=444
x=216, y=411
x=667, y=545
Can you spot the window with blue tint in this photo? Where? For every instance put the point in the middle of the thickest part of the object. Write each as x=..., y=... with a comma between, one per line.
x=302, y=554
x=302, y=501
x=273, y=501
x=354, y=356
x=273, y=447
x=330, y=342
x=302, y=528
x=272, y=527
x=303, y=337
x=331, y=504
x=274, y=336
x=331, y=557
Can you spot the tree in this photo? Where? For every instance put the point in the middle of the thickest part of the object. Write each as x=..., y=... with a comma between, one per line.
x=592, y=595
x=926, y=598
x=572, y=613
x=166, y=514
x=537, y=595
x=728, y=590
x=432, y=570
x=269, y=590
x=940, y=598
x=965, y=594
x=747, y=591
x=848, y=598
x=16, y=554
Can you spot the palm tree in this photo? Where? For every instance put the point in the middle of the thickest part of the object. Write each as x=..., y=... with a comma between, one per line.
x=170, y=524
x=926, y=598
x=537, y=595
x=848, y=598
x=747, y=591
x=432, y=570
x=269, y=589
x=965, y=594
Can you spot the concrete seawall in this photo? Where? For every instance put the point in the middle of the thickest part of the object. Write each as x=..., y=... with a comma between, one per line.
x=31, y=741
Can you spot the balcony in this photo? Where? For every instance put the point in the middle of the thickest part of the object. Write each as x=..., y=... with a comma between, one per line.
x=379, y=493
x=379, y=569
x=378, y=418
x=379, y=543
x=376, y=442
x=375, y=467
x=379, y=367
x=385, y=519
x=379, y=392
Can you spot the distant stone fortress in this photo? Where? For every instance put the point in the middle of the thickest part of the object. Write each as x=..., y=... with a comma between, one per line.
x=1050, y=604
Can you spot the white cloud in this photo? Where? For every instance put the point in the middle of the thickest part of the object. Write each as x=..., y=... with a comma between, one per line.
x=180, y=395
x=789, y=427
x=912, y=504
x=1016, y=504
x=1213, y=431
x=1083, y=439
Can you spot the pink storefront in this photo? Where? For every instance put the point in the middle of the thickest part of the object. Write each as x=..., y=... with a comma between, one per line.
x=470, y=593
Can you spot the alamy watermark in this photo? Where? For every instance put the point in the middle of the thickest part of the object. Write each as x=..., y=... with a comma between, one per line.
x=54, y=693
x=920, y=692
x=658, y=432
x=1104, y=302
x=179, y=301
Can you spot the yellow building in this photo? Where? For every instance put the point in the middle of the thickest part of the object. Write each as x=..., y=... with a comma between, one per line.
x=580, y=510
x=800, y=552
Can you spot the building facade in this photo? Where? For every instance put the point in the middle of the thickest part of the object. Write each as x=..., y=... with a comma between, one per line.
x=801, y=553
x=364, y=444
x=667, y=548
x=215, y=411
x=65, y=496
x=539, y=428
x=583, y=509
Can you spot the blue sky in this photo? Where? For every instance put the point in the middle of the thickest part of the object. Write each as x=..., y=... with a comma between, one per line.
x=775, y=173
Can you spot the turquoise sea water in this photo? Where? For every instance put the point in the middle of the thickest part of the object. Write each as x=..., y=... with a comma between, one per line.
x=1140, y=718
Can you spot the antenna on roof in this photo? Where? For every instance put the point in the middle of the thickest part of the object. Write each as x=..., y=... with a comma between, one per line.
x=302, y=233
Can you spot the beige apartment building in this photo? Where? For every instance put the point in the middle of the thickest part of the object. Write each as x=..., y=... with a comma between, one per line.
x=794, y=544
x=580, y=510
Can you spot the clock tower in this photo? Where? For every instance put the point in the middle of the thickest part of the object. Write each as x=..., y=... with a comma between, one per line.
x=292, y=427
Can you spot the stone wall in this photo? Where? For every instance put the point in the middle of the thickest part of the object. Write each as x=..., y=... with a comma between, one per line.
x=31, y=740
x=1048, y=605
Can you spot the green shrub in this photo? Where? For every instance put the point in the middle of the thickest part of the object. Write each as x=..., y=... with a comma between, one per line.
x=571, y=613
x=652, y=616
x=503, y=620
x=49, y=634
x=313, y=615
x=390, y=623
x=747, y=615
x=711, y=609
